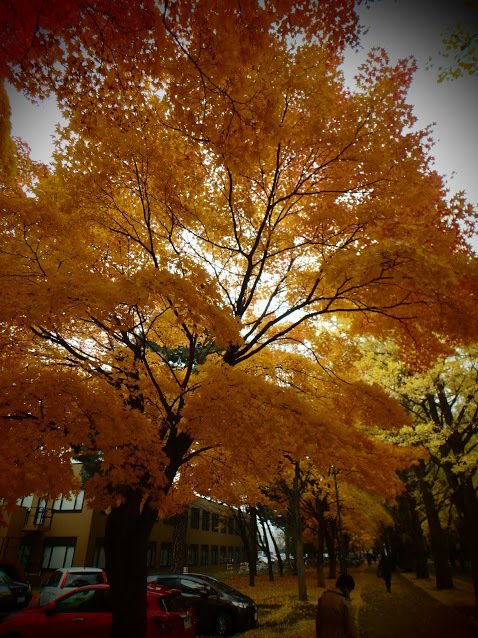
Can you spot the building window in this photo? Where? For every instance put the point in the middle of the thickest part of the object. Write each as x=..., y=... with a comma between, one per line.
x=224, y=525
x=215, y=522
x=39, y=516
x=58, y=553
x=169, y=521
x=222, y=556
x=194, y=517
x=206, y=520
x=24, y=553
x=73, y=504
x=165, y=555
x=237, y=526
x=214, y=555
x=151, y=555
x=99, y=555
x=204, y=554
x=230, y=555
x=193, y=555
x=238, y=554
x=230, y=525
x=26, y=501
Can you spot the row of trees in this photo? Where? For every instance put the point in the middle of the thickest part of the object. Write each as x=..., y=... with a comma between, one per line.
x=183, y=284
x=440, y=492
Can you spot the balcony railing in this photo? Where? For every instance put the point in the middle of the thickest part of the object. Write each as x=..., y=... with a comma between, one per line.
x=38, y=518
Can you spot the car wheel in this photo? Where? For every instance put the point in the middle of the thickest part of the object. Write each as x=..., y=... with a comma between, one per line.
x=223, y=624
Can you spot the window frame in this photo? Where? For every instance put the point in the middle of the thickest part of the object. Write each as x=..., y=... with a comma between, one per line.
x=51, y=544
x=195, y=517
x=206, y=520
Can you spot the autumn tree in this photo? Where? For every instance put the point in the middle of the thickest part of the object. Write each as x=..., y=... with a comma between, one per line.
x=459, y=55
x=443, y=404
x=217, y=193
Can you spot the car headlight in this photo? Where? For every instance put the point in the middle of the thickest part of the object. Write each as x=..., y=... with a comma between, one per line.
x=238, y=603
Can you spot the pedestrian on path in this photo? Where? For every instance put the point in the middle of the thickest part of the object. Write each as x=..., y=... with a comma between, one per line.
x=334, y=617
x=385, y=571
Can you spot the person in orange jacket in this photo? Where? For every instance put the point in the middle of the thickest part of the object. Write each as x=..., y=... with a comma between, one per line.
x=334, y=617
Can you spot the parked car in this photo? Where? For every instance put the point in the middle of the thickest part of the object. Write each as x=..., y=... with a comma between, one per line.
x=17, y=573
x=86, y=611
x=218, y=608
x=12, y=593
x=68, y=578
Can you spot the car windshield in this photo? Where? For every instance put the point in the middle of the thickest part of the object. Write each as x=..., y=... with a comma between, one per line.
x=83, y=578
x=173, y=603
x=217, y=584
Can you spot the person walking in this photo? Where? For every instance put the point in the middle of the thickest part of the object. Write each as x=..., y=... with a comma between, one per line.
x=385, y=571
x=334, y=617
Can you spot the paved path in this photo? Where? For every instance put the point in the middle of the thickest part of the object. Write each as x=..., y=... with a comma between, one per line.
x=407, y=612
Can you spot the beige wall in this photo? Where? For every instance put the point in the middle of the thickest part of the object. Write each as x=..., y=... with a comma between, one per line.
x=88, y=528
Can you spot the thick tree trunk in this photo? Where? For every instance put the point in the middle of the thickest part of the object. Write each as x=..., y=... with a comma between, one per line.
x=466, y=503
x=179, y=554
x=299, y=545
x=320, y=559
x=128, y=528
x=469, y=504
x=418, y=539
x=320, y=508
x=329, y=533
x=252, y=546
x=438, y=539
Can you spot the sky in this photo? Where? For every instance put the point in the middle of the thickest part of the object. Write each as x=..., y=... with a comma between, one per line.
x=403, y=28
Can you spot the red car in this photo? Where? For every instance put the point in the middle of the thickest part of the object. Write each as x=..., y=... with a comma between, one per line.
x=86, y=611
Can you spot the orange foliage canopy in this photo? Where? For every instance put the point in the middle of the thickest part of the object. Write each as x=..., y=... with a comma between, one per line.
x=217, y=197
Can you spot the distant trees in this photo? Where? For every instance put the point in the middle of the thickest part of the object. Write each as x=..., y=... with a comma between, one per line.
x=443, y=404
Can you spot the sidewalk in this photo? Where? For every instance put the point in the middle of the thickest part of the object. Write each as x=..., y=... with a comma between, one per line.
x=413, y=608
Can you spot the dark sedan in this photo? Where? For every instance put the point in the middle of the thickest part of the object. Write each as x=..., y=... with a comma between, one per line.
x=218, y=608
x=13, y=595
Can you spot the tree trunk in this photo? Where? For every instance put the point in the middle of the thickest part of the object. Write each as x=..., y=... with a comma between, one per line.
x=470, y=528
x=179, y=554
x=128, y=528
x=320, y=506
x=277, y=552
x=329, y=533
x=266, y=549
x=299, y=551
x=466, y=503
x=438, y=539
x=320, y=559
x=252, y=546
x=418, y=539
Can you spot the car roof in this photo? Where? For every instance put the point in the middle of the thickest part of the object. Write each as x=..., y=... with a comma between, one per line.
x=79, y=569
x=162, y=590
x=159, y=590
x=178, y=575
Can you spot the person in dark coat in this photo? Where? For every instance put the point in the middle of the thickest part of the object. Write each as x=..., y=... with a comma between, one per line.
x=334, y=617
x=385, y=570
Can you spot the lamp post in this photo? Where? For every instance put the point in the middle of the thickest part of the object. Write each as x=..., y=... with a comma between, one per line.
x=343, y=562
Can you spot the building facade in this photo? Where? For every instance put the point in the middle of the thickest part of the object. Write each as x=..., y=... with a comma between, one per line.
x=44, y=536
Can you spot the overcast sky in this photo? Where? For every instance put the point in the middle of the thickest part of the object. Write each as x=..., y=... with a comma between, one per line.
x=414, y=27
x=403, y=28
